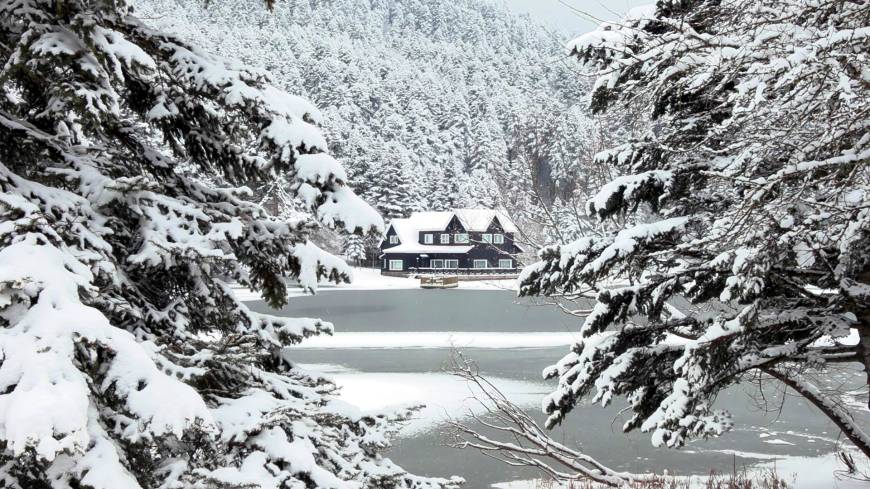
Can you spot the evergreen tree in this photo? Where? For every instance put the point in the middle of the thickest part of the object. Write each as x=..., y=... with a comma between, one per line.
x=126, y=362
x=443, y=185
x=390, y=190
x=355, y=248
x=750, y=197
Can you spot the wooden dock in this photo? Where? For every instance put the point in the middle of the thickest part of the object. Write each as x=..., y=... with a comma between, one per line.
x=439, y=282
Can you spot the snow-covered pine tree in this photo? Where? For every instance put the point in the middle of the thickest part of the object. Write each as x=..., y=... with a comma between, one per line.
x=756, y=193
x=442, y=186
x=355, y=248
x=390, y=189
x=125, y=360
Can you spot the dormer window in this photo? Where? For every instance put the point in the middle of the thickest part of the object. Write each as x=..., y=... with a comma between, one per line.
x=460, y=238
x=498, y=238
x=427, y=239
x=486, y=238
x=445, y=238
x=394, y=239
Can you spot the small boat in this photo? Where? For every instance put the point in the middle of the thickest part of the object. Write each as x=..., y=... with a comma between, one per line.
x=439, y=282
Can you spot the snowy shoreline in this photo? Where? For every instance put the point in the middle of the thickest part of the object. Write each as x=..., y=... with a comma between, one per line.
x=371, y=279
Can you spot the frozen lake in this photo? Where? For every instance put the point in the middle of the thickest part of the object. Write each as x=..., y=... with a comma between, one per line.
x=391, y=346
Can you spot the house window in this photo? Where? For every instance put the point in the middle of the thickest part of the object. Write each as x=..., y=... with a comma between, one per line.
x=505, y=263
x=445, y=239
x=427, y=238
x=385, y=263
x=480, y=264
x=460, y=238
x=396, y=265
x=437, y=264
x=394, y=239
x=486, y=238
x=451, y=263
x=498, y=238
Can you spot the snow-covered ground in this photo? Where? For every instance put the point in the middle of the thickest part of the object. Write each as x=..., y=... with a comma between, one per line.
x=792, y=469
x=371, y=279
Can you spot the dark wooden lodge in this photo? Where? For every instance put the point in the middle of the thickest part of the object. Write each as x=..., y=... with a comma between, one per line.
x=462, y=242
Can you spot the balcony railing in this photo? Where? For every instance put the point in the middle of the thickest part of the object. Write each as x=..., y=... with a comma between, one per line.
x=463, y=271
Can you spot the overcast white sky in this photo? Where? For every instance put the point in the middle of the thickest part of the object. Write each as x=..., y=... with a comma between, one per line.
x=557, y=14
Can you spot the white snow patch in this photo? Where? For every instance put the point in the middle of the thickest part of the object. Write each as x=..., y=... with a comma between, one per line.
x=778, y=441
x=444, y=395
x=439, y=339
x=850, y=340
x=799, y=473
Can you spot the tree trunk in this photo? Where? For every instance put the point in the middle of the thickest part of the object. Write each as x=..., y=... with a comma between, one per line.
x=831, y=409
x=863, y=314
x=864, y=350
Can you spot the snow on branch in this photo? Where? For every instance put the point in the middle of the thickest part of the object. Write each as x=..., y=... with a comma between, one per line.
x=759, y=144
x=48, y=408
x=126, y=360
x=626, y=192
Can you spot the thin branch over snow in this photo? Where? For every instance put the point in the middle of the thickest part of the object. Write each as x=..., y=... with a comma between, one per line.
x=530, y=445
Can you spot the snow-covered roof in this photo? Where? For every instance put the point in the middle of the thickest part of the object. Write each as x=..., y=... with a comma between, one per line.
x=430, y=220
x=479, y=219
x=405, y=229
x=408, y=229
x=416, y=248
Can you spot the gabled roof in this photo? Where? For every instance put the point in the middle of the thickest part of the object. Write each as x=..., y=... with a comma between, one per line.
x=479, y=219
x=430, y=220
x=408, y=229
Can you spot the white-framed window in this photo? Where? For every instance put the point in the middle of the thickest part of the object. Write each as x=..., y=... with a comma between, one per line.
x=451, y=263
x=498, y=238
x=394, y=239
x=505, y=263
x=445, y=238
x=480, y=264
x=396, y=264
x=436, y=263
x=428, y=238
x=460, y=238
x=486, y=238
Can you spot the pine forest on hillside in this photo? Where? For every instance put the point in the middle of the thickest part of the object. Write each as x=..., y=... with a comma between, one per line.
x=431, y=105
x=417, y=244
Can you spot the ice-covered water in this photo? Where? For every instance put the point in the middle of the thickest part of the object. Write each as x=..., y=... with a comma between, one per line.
x=391, y=346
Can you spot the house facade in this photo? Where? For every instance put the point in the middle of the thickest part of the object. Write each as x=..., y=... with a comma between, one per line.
x=478, y=241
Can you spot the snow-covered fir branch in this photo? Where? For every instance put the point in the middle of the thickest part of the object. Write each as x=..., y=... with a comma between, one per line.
x=749, y=196
x=125, y=359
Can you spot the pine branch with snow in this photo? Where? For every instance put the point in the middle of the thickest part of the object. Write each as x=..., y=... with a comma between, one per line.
x=125, y=359
x=742, y=216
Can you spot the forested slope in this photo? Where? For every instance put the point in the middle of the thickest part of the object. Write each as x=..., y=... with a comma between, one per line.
x=426, y=102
